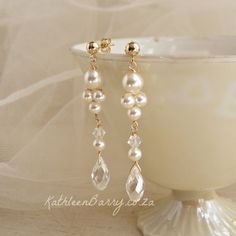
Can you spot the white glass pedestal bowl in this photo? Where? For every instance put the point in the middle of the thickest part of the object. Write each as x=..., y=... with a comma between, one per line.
x=188, y=128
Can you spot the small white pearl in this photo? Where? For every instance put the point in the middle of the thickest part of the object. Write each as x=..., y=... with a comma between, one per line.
x=134, y=113
x=141, y=99
x=135, y=154
x=132, y=82
x=92, y=79
x=87, y=96
x=99, y=96
x=99, y=144
x=128, y=100
x=95, y=107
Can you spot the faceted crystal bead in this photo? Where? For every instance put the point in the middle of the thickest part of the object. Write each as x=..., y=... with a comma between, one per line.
x=135, y=184
x=134, y=141
x=99, y=132
x=100, y=174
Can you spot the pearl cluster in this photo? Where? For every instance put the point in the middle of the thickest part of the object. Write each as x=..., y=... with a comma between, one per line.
x=94, y=95
x=134, y=99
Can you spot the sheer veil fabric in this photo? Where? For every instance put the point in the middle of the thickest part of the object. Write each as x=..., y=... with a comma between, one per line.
x=45, y=138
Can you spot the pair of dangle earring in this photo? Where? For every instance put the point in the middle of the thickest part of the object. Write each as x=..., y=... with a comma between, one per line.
x=95, y=96
x=133, y=100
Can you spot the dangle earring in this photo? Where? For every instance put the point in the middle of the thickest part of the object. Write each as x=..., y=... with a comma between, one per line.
x=94, y=95
x=133, y=100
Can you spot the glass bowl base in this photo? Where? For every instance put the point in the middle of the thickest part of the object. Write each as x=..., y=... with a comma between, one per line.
x=189, y=213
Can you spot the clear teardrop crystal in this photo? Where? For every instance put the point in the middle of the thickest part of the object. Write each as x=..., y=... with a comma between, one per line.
x=134, y=141
x=135, y=184
x=100, y=174
x=99, y=132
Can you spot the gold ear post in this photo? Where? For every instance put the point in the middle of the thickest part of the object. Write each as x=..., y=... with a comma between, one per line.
x=132, y=49
x=92, y=47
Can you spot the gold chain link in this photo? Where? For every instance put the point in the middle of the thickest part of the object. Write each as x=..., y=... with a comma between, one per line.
x=98, y=121
x=93, y=62
x=133, y=65
x=134, y=127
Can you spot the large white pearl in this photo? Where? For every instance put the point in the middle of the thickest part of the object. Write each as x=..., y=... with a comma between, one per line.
x=132, y=82
x=128, y=100
x=99, y=96
x=99, y=144
x=92, y=79
x=141, y=99
x=134, y=113
x=135, y=154
x=95, y=107
x=87, y=96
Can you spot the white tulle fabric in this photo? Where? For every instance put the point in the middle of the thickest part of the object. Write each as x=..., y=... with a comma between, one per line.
x=45, y=137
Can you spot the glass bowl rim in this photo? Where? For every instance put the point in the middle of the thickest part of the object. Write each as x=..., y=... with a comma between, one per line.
x=80, y=50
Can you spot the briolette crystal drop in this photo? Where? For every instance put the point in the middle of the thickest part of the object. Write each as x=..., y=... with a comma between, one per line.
x=100, y=174
x=135, y=184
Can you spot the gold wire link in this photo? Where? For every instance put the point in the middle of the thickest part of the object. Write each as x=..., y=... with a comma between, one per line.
x=136, y=164
x=133, y=65
x=98, y=121
x=134, y=127
x=93, y=62
x=98, y=124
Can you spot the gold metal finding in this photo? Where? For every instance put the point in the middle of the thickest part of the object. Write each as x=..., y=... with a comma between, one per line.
x=136, y=164
x=99, y=153
x=133, y=65
x=134, y=127
x=132, y=49
x=93, y=62
x=92, y=47
x=106, y=45
x=98, y=121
